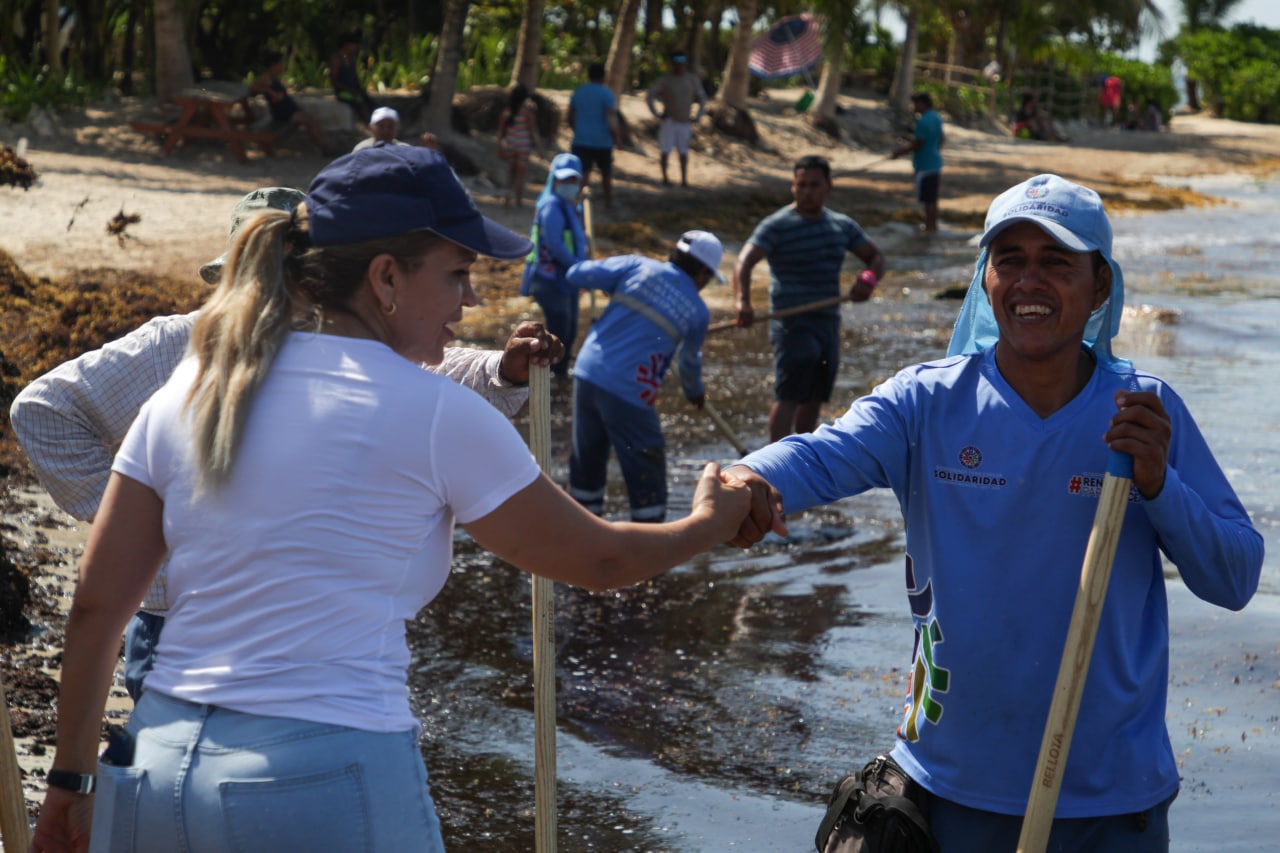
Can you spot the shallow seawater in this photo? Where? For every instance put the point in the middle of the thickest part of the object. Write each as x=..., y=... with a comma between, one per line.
x=713, y=708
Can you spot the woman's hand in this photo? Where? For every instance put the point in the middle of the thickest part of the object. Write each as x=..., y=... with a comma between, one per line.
x=723, y=500
x=65, y=820
x=529, y=344
x=765, y=513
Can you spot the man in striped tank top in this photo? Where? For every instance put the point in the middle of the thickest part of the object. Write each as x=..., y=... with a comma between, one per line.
x=805, y=244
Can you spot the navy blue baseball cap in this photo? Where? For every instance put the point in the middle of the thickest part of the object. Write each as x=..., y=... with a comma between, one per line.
x=386, y=191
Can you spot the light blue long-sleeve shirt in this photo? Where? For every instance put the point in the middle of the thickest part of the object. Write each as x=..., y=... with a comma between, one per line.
x=654, y=310
x=999, y=504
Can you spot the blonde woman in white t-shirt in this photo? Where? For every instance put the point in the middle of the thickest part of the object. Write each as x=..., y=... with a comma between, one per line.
x=304, y=475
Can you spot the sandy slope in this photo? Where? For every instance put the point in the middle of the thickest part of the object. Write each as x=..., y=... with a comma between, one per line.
x=95, y=165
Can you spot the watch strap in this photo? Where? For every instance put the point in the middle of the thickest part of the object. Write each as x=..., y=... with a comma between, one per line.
x=81, y=783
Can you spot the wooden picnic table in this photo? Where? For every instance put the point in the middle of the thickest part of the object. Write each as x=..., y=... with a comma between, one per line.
x=211, y=114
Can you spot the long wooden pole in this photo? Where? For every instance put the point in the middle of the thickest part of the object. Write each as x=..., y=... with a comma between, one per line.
x=783, y=312
x=864, y=167
x=13, y=805
x=591, y=246
x=1095, y=575
x=716, y=417
x=723, y=426
x=544, y=632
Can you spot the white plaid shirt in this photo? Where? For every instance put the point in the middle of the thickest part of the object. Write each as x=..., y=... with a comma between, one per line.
x=71, y=420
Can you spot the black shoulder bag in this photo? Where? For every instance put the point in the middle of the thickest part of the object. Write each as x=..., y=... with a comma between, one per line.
x=879, y=810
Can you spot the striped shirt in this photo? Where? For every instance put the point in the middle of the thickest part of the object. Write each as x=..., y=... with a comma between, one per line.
x=805, y=255
x=71, y=420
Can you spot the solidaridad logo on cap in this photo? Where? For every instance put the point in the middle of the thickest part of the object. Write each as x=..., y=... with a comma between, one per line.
x=1037, y=191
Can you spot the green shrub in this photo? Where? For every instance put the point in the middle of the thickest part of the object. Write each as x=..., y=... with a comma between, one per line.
x=1237, y=70
x=23, y=88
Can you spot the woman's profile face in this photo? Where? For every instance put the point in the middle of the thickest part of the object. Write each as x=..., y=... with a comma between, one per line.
x=429, y=296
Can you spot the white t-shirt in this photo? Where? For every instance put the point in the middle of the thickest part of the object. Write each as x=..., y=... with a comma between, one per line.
x=290, y=586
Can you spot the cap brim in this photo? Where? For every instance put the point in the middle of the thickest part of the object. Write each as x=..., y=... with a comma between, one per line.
x=1061, y=235
x=487, y=237
x=719, y=276
x=212, y=271
x=563, y=174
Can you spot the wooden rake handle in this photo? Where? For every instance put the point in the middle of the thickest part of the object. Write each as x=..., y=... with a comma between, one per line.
x=13, y=805
x=1095, y=575
x=544, y=634
x=784, y=312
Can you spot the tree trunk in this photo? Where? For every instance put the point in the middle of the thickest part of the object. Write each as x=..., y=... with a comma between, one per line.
x=128, y=53
x=904, y=80
x=52, y=55
x=91, y=38
x=737, y=72
x=824, y=107
x=715, y=54
x=617, y=69
x=693, y=39
x=529, y=46
x=653, y=18
x=444, y=79
x=1193, y=95
x=173, y=61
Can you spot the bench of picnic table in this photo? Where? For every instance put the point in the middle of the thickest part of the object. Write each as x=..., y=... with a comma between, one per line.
x=208, y=114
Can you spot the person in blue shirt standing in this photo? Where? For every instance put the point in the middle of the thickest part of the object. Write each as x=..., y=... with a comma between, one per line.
x=559, y=242
x=997, y=454
x=925, y=149
x=593, y=115
x=655, y=314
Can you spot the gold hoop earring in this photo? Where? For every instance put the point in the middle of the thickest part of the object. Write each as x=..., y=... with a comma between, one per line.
x=389, y=310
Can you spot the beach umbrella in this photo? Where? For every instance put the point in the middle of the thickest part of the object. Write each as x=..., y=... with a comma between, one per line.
x=791, y=46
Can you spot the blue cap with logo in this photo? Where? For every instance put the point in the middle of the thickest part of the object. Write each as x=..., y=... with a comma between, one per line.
x=391, y=190
x=1069, y=213
x=1073, y=215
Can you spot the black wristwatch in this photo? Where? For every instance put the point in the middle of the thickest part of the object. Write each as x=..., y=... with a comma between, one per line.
x=81, y=783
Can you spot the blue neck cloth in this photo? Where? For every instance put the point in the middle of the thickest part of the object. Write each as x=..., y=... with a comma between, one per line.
x=976, y=329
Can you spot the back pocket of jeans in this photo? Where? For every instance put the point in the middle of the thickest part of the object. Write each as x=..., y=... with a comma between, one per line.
x=115, y=807
x=325, y=811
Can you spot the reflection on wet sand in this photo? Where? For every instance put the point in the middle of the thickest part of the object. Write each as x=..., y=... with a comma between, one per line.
x=714, y=707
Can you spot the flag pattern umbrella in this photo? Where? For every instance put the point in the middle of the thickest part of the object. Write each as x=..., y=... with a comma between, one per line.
x=791, y=46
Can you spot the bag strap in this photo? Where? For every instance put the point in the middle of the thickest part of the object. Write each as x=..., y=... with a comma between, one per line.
x=845, y=789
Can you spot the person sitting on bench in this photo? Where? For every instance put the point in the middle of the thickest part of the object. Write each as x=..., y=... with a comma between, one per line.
x=284, y=109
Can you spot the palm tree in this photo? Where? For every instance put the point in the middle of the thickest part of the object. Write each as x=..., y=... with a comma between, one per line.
x=529, y=46
x=173, y=61
x=736, y=84
x=618, y=66
x=835, y=17
x=904, y=80
x=52, y=55
x=444, y=79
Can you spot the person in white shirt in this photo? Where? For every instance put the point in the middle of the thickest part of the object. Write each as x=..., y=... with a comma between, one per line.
x=303, y=476
x=71, y=420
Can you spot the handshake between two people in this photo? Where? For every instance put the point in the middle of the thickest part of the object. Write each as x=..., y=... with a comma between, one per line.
x=739, y=496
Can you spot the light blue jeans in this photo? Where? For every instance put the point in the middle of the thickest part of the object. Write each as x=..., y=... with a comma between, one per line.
x=205, y=778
